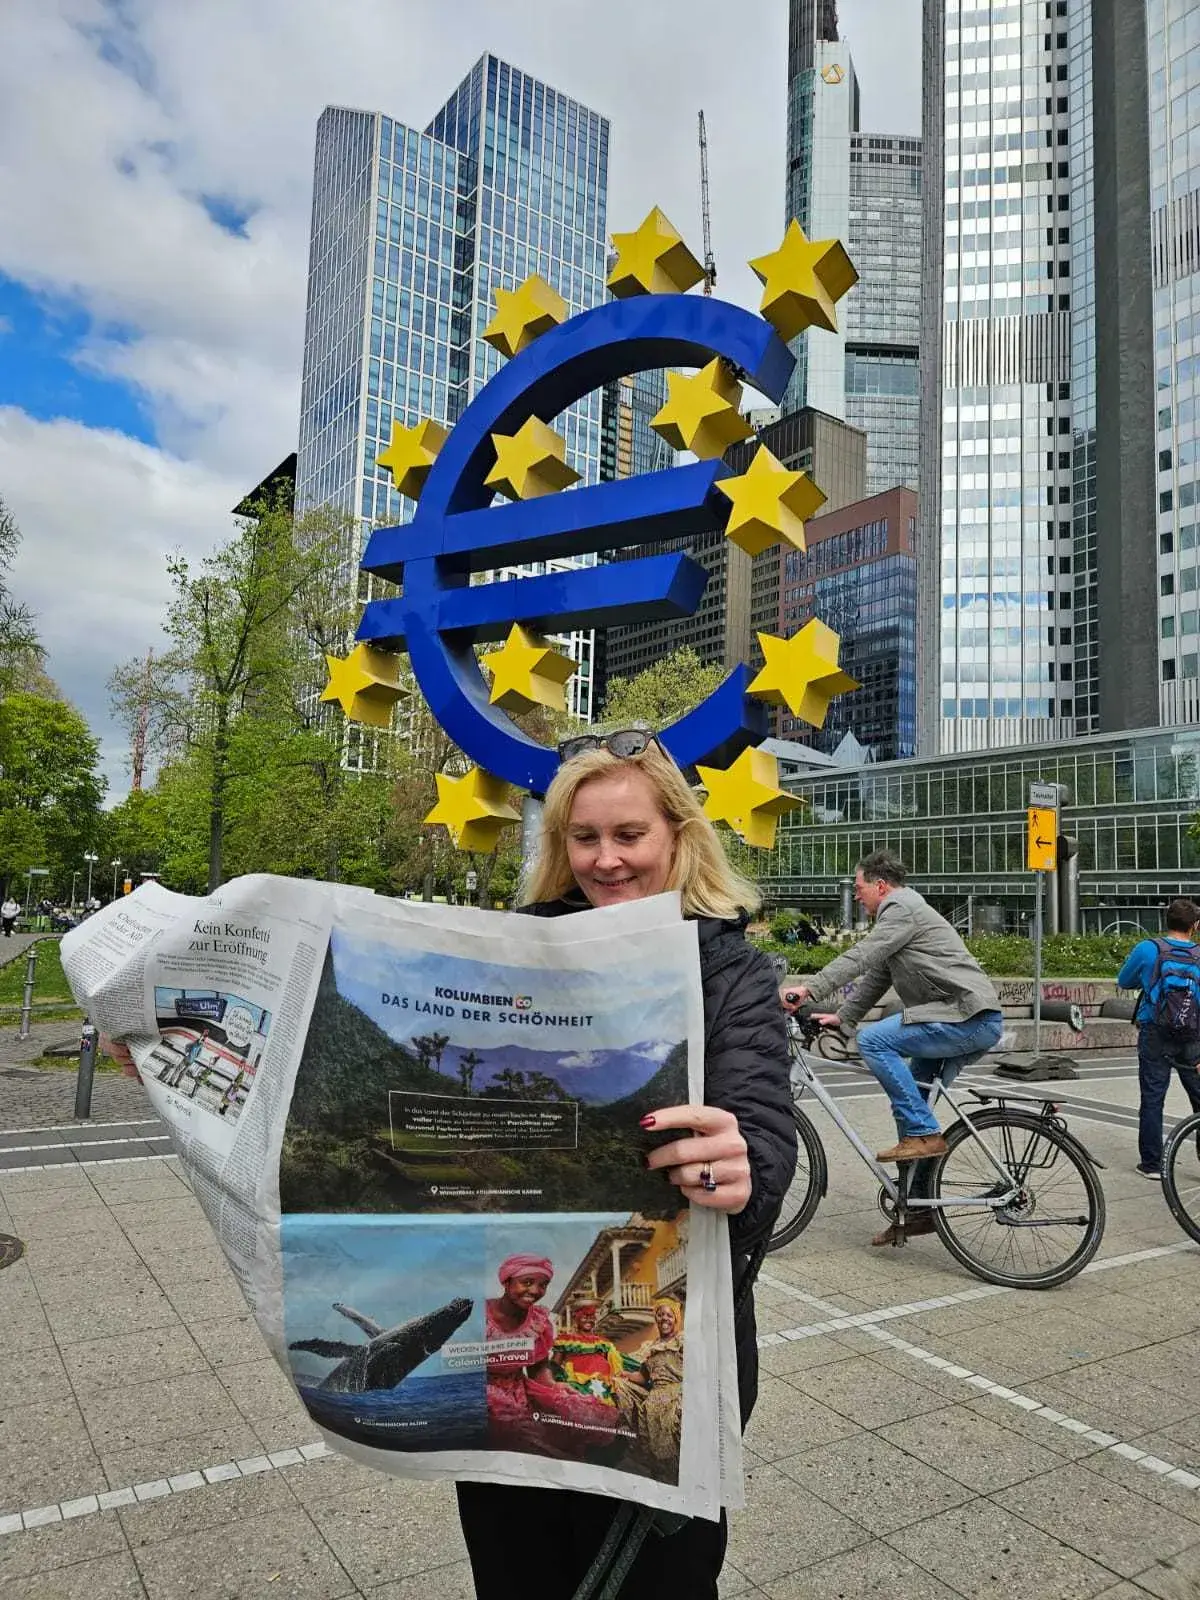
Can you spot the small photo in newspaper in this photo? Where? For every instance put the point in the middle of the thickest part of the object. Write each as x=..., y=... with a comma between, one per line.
x=209, y=1048
x=556, y=1337
x=434, y=1085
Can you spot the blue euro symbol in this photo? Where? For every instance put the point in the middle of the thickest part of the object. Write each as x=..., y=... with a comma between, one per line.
x=456, y=531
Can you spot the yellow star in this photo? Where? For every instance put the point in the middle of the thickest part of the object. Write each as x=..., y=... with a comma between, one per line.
x=523, y=314
x=747, y=797
x=701, y=413
x=528, y=672
x=653, y=260
x=366, y=684
x=530, y=462
x=410, y=455
x=770, y=505
x=474, y=809
x=802, y=672
x=804, y=281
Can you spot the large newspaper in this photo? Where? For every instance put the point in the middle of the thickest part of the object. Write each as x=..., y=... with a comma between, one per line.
x=416, y=1130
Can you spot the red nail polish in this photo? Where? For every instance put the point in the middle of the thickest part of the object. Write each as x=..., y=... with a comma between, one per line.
x=647, y=1122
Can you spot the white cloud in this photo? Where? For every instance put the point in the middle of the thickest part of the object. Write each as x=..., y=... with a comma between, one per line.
x=117, y=119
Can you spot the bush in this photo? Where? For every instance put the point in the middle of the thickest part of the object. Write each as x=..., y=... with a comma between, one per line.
x=1008, y=955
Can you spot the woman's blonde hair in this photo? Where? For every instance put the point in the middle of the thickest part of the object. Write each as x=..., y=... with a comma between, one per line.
x=708, y=886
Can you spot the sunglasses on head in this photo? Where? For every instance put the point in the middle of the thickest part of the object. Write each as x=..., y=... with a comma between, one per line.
x=624, y=744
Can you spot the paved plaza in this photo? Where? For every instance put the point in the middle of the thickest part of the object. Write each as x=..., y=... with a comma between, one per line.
x=918, y=1436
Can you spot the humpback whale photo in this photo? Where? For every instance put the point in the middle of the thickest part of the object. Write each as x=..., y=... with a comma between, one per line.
x=390, y=1354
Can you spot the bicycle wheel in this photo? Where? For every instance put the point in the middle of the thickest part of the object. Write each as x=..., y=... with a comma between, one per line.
x=1181, y=1174
x=1052, y=1226
x=807, y=1187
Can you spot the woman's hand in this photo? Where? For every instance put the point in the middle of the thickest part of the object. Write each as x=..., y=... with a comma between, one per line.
x=716, y=1150
x=121, y=1056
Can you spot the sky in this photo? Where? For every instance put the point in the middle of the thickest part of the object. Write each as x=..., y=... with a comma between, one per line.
x=156, y=186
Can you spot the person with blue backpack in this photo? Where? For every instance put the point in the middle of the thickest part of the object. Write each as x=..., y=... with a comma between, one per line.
x=1167, y=972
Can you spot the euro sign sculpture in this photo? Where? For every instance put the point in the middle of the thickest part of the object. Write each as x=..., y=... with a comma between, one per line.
x=503, y=440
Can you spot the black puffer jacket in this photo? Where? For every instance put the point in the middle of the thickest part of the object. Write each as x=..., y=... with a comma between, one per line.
x=747, y=1071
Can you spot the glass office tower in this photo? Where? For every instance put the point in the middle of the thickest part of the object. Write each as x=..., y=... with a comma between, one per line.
x=412, y=233
x=997, y=525
x=864, y=189
x=1173, y=34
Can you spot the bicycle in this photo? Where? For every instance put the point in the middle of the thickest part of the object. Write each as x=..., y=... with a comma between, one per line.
x=1004, y=1163
x=1181, y=1174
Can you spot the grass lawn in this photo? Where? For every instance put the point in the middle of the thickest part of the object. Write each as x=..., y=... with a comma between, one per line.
x=50, y=985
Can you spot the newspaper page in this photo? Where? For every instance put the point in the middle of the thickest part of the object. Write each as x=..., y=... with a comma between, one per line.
x=416, y=1131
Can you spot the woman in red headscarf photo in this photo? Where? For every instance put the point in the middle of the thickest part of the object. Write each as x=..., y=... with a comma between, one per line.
x=526, y=1402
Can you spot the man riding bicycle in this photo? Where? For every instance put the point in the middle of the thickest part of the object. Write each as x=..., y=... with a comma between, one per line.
x=951, y=1011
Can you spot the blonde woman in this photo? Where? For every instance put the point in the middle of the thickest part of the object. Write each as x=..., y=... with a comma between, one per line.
x=620, y=823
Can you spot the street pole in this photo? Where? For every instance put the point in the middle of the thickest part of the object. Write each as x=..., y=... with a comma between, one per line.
x=90, y=859
x=74, y=879
x=27, y=997
x=1037, y=964
x=87, y=1070
x=115, y=867
x=531, y=837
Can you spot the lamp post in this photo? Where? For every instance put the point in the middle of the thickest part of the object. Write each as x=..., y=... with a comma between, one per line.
x=74, y=880
x=115, y=865
x=91, y=858
x=31, y=874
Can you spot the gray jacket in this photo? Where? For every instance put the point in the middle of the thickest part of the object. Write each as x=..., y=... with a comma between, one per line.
x=914, y=950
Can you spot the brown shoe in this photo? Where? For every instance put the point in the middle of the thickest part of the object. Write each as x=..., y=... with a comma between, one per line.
x=920, y=1222
x=914, y=1148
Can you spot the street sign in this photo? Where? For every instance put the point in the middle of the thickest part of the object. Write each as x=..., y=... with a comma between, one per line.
x=1042, y=835
x=1044, y=796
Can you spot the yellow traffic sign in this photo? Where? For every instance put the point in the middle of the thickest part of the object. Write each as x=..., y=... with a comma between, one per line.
x=1041, y=852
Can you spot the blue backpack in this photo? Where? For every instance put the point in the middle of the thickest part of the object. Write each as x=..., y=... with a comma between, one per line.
x=1173, y=992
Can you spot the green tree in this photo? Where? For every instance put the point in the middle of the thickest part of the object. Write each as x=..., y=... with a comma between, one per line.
x=468, y=1062
x=664, y=692
x=231, y=703
x=50, y=789
x=20, y=651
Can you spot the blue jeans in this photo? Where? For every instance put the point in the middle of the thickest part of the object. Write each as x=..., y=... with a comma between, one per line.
x=888, y=1046
x=1160, y=1053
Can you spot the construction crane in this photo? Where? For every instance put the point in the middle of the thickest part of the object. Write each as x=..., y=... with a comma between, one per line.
x=710, y=264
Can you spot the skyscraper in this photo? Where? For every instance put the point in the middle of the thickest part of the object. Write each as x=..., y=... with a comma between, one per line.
x=996, y=544
x=412, y=233
x=1057, y=586
x=864, y=189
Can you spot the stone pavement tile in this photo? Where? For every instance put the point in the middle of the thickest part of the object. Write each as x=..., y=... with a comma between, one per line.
x=974, y=1452
x=158, y=1180
x=262, y=1393
x=70, y=1256
x=394, y=1529
x=783, y=1531
x=1169, y=1364
x=786, y=1421
x=1175, y=1578
x=278, y=1553
x=1159, y=1316
x=954, y=1391
x=1112, y=1400
x=173, y=1266
x=1038, y=1430
x=190, y=1451
x=873, y=1482
x=121, y=1312
x=228, y=1341
x=101, y=1282
x=1099, y=1518
x=949, y=1322
x=179, y=1208
x=440, y=1583
x=130, y=1358
x=220, y=1298
x=795, y=1355
x=867, y=1393
x=37, y=1378
x=733, y=1583
x=986, y=1553
x=45, y=1455
x=328, y=1479
x=213, y=1506
x=50, y=1550
x=25, y=1328
x=1173, y=1497
x=162, y=1408
x=114, y=1577
x=1180, y=1442
x=17, y=1187
x=1123, y=1591
x=788, y=1314
x=286, y=1432
x=871, y=1572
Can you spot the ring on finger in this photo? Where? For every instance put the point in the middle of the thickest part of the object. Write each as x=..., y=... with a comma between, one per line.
x=708, y=1181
